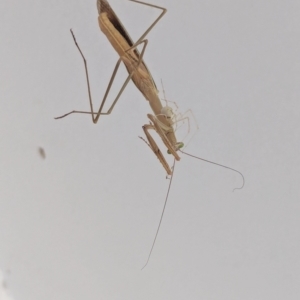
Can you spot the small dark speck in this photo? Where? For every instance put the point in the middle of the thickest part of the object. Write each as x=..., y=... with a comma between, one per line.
x=42, y=152
x=4, y=284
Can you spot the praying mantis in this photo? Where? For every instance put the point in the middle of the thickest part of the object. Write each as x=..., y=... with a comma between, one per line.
x=164, y=118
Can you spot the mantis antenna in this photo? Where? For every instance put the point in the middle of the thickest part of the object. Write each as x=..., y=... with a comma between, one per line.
x=211, y=162
x=162, y=214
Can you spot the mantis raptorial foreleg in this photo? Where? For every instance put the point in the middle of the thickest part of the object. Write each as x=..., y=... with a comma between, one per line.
x=163, y=136
x=96, y=115
x=152, y=144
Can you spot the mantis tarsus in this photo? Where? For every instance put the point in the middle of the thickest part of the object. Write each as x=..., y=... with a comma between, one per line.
x=162, y=121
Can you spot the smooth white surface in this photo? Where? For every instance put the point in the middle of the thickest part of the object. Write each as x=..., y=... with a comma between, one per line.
x=80, y=223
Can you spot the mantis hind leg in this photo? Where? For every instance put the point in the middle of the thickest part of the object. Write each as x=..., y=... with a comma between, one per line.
x=152, y=144
x=99, y=113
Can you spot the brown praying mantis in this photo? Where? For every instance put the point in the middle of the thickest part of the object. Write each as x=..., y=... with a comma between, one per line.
x=164, y=118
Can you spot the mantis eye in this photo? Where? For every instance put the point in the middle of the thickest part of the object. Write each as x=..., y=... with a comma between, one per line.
x=178, y=146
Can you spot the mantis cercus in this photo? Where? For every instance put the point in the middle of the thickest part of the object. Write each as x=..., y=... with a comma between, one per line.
x=163, y=119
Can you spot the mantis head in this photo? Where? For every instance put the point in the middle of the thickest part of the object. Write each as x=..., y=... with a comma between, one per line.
x=167, y=111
